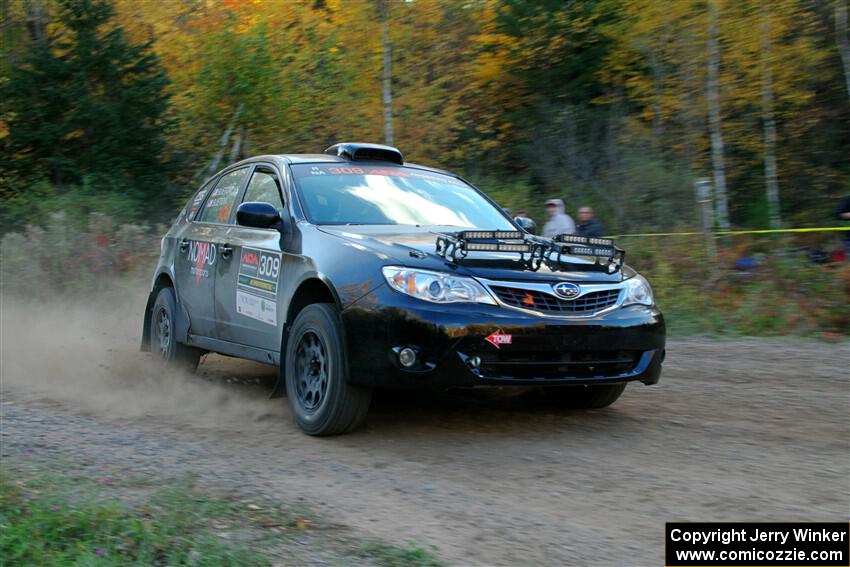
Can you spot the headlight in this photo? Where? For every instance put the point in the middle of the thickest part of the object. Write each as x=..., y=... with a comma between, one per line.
x=436, y=287
x=638, y=292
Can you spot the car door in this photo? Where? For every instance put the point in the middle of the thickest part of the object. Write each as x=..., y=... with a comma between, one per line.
x=247, y=290
x=201, y=248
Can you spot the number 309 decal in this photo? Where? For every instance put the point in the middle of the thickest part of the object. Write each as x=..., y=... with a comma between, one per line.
x=269, y=266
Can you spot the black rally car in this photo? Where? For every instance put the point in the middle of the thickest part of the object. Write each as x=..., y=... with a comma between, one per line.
x=353, y=270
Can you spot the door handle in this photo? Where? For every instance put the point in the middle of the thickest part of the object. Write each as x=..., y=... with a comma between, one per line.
x=225, y=250
x=184, y=245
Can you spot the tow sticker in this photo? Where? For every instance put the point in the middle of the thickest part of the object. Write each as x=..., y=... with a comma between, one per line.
x=256, y=289
x=499, y=338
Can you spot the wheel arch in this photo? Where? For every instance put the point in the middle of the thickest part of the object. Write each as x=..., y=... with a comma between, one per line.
x=313, y=288
x=161, y=280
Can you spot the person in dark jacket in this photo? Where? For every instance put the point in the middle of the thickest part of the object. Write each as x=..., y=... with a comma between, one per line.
x=588, y=225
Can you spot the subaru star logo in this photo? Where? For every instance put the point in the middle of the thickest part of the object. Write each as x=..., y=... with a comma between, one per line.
x=567, y=290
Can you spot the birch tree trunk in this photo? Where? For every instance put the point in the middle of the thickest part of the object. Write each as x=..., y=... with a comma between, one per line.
x=212, y=166
x=842, y=39
x=386, y=48
x=36, y=20
x=657, y=132
x=770, y=178
x=714, y=123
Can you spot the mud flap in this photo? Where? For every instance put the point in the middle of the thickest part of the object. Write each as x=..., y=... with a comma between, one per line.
x=279, y=389
x=146, y=324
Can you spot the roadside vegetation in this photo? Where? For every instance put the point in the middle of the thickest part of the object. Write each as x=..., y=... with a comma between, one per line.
x=757, y=285
x=112, y=114
x=52, y=519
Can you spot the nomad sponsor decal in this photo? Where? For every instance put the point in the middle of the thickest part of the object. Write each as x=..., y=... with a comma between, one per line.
x=499, y=338
x=201, y=257
x=256, y=289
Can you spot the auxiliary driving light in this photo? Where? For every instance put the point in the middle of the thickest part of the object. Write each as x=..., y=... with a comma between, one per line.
x=407, y=357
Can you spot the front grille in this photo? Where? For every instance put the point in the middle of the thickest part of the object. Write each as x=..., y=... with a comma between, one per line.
x=544, y=302
x=548, y=364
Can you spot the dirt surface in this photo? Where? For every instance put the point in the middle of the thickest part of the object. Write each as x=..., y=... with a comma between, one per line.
x=736, y=430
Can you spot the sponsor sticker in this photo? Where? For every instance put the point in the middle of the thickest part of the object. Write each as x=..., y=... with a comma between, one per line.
x=201, y=256
x=256, y=307
x=256, y=287
x=498, y=338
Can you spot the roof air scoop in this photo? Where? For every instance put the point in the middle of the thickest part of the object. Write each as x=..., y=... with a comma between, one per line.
x=354, y=151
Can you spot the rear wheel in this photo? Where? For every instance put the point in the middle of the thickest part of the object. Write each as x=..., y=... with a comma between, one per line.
x=585, y=397
x=164, y=343
x=316, y=371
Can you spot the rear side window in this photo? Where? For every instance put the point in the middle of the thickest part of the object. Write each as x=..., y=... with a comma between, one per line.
x=195, y=204
x=220, y=203
x=263, y=188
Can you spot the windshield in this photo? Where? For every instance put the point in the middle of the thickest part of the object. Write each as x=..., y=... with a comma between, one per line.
x=383, y=194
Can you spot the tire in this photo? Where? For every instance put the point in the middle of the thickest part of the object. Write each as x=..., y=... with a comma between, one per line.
x=585, y=397
x=316, y=374
x=164, y=345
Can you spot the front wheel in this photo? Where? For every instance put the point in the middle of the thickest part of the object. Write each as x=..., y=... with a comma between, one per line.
x=585, y=397
x=164, y=343
x=316, y=371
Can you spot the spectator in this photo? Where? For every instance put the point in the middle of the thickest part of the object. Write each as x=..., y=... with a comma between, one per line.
x=589, y=225
x=559, y=222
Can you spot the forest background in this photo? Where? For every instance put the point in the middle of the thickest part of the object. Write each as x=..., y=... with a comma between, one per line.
x=113, y=111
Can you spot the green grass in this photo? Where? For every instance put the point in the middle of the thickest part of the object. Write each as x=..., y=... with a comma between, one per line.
x=48, y=519
x=48, y=527
x=393, y=556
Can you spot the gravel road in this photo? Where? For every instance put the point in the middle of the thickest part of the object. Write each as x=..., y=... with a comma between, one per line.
x=736, y=430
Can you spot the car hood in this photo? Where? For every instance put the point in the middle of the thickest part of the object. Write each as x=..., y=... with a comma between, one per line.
x=416, y=247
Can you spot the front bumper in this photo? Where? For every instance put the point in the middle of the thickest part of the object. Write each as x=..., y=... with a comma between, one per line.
x=622, y=345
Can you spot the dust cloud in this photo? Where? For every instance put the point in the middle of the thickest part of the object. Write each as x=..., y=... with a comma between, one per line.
x=85, y=353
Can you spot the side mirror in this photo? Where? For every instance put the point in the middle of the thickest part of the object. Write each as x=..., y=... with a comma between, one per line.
x=257, y=215
x=526, y=224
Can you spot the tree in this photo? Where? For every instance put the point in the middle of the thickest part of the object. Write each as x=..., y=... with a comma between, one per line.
x=387, y=75
x=770, y=176
x=842, y=38
x=86, y=103
x=714, y=119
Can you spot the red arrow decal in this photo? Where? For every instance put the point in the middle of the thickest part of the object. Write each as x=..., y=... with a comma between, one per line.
x=499, y=338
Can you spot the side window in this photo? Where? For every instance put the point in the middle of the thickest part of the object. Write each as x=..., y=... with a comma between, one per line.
x=263, y=187
x=220, y=203
x=196, y=202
